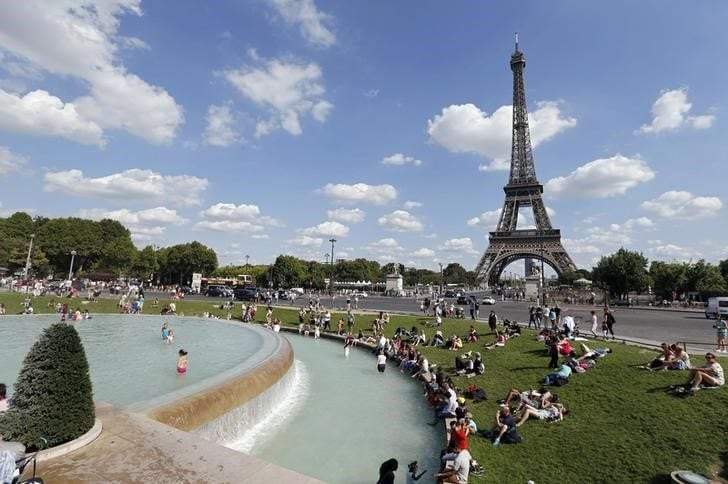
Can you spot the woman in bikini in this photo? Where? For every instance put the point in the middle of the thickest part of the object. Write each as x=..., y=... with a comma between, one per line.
x=182, y=362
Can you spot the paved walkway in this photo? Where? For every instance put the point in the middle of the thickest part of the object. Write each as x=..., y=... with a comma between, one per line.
x=133, y=448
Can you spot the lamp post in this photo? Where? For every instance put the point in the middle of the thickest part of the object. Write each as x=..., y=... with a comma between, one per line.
x=27, y=260
x=441, y=278
x=331, y=278
x=70, y=269
x=247, y=258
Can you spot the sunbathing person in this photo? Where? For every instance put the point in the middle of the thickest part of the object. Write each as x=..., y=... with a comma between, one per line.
x=500, y=340
x=590, y=354
x=540, y=398
x=472, y=335
x=552, y=413
x=680, y=360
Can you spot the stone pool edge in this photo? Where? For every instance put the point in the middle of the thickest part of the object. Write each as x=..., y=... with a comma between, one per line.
x=192, y=411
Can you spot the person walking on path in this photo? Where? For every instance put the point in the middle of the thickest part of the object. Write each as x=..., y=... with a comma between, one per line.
x=609, y=321
x=492, y=321
x=595, y=321
x=721, y=327
x=532, y=317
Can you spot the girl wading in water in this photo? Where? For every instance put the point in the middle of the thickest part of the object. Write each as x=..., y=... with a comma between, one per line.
x=182, y=362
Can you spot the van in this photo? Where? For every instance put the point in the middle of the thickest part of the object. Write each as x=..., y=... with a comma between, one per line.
x=715, y=306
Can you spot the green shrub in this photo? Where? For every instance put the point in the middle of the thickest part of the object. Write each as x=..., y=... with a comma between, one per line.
x=52, y=397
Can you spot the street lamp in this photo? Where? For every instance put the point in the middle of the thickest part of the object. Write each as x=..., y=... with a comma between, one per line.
x=27, y=261
x=247, y=257
x=70, y=269
x=441, y=278
x=331, y=280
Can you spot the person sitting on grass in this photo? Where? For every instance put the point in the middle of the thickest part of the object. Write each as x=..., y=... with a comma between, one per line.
x=448, y=403
x=472, y=335
x=553, y=413
x=505, y=428
x=500, y=340
x=680, y=360
x=666, y=354
x=438, y=341
x=708, y=375
x=459, y=472
x=455, y=343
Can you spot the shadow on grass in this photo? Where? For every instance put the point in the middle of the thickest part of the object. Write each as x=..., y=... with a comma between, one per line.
x=523, y=368
x=661, y=479
x=724, y=465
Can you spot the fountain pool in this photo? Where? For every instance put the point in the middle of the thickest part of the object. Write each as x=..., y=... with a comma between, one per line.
x=129, y=363
x=335, y=418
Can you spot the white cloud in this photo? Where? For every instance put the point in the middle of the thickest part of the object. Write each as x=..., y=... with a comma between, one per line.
x=360, y=192
x=10, y=162
x=230, y=211
x=229, y=226
x=351, y=216
x=80, y=40
x=386, y=246
x=327, y=229
x=409, y=204
x=288, y=89
x=602, y=178
x=134, y=184
x=314, y=24
x=400, y=159
x=41, y=114
x=463, y=244
x=604, y=240
x=489, y=219
x=229, y=217
x=670, y=112
x=401, y=221
x=143, y=224
x=464, y=128
x=631, y=224
x=221, y=126
x=683, y=205
x=306, y=241
x=260, y=236
x=371, y=93
x=423, y=253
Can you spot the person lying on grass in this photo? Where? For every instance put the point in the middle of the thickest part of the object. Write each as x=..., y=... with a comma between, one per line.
x=589, y=354
x=560, y=377
x=553, y=413
x=500, y=340
x=540, y=398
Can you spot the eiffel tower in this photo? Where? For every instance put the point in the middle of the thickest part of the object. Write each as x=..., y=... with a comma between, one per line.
x=508, y=244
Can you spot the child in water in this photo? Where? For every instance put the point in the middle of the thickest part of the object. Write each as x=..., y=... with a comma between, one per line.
x=182, y=362
x=165, y=332
x=170, y=337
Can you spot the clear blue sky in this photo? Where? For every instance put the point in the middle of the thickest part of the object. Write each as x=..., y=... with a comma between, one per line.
x=284, y=111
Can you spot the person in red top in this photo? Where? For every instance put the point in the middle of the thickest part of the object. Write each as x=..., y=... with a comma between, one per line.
x=460, y=434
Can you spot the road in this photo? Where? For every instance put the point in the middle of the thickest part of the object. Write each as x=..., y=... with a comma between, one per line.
x=635, y=324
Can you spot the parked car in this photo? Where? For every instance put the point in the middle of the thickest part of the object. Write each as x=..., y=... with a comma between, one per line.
x=247, y=293
x=488, y=301
x=464, y=299
x=361, y=294
x=450, y=293
x=218, y=291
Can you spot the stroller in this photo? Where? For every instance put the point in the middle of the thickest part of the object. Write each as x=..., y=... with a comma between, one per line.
x=13, y=461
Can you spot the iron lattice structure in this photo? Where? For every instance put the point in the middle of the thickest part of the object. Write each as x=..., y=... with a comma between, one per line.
x=507, y=243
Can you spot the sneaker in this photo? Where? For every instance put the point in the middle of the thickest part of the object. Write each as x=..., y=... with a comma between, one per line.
x=496, y=442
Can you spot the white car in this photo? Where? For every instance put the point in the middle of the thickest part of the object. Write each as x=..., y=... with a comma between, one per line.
x=361, y=294
x=488, y=301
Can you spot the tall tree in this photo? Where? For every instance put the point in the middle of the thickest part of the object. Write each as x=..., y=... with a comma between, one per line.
x=622, y=272
x=454, y=273
x=668, y=278
x=288, y=271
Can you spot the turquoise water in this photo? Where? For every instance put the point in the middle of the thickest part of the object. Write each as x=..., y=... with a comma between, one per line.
x=128, y=361
x=339, y=419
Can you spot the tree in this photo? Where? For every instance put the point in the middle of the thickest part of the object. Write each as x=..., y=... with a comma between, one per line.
x=178, y=262
x=53, y=397
x=145, y=264
x=622, y=272
x=706, y=279
x=668, y=278
x=454, y=273
x=288, y=271
x=723, y=266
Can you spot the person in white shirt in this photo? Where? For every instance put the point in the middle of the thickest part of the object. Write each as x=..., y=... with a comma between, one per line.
x=595, y=321
x=709, y=375
x=381, y=362
x=460, y=470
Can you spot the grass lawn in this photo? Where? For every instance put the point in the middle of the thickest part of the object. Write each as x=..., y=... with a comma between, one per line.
x=622, y=426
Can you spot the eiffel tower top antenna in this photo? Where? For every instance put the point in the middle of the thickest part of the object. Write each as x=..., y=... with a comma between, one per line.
x=516, y=41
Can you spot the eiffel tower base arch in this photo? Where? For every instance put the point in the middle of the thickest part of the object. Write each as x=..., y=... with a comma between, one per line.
x=503, y=249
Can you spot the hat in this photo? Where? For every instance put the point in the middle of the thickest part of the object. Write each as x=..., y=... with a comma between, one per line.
x=461, y=400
